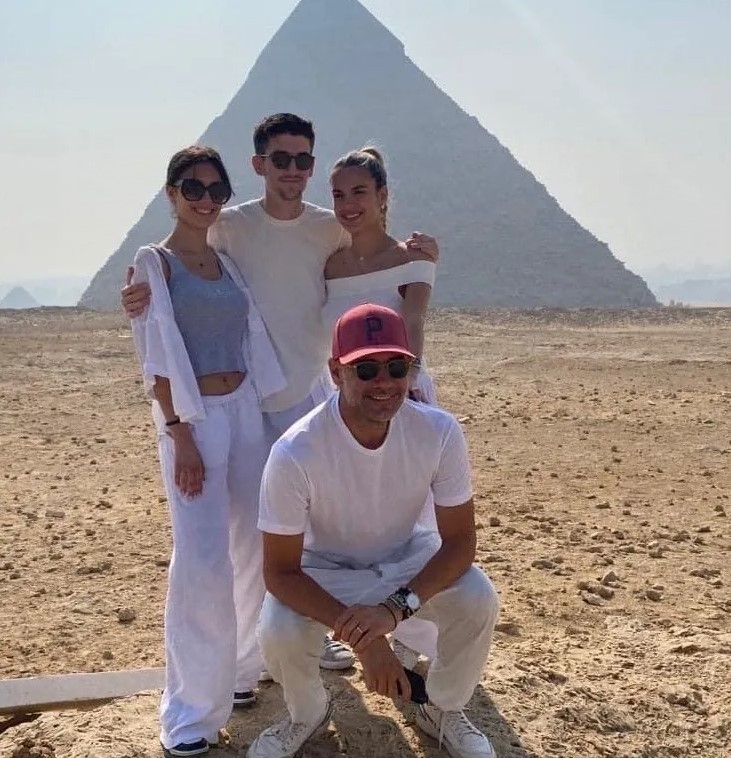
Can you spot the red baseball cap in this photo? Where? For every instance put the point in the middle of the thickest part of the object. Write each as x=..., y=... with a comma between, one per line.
x=369, y=329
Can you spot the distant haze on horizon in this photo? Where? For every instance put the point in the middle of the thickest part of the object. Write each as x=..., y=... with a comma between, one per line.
x=622, y=109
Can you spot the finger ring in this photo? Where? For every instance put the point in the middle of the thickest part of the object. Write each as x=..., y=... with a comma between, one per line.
x=358, y=629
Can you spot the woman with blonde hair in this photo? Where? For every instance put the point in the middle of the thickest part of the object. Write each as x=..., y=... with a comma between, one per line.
x=378, y=268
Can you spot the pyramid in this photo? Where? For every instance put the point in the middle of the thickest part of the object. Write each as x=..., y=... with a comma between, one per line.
x=18, y=297
x=505, y=241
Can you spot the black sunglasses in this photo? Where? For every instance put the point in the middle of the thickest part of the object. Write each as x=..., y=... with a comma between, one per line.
x=368, y=370
x=283, y=160
x=194, y=189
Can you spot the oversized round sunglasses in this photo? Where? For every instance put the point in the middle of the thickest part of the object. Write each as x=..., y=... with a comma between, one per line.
x=368, y=370
x=194, y=189
x=282, y=160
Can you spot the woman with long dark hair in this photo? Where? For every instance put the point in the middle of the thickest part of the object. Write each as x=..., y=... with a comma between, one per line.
x=207, y=362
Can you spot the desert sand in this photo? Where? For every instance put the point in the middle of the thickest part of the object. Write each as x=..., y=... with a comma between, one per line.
x=600, y=443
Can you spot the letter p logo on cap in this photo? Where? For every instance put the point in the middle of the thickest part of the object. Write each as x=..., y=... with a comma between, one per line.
x=367, y=330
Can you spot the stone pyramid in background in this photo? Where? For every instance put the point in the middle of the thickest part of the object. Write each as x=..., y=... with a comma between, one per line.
x=19, y=297
x=505, y=241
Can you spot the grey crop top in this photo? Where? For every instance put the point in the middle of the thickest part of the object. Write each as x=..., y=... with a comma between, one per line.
x=211, y=316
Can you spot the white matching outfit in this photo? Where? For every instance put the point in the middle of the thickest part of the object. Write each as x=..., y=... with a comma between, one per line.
x=215, y=585
x=359, y=511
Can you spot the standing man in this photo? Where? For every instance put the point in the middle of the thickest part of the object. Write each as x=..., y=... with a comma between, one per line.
x=341, y=497
x=280, y=243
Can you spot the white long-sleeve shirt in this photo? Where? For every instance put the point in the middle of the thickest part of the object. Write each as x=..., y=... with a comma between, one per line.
x=162, y=352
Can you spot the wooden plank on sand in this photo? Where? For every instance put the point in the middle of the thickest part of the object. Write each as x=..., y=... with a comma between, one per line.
x=51, y=693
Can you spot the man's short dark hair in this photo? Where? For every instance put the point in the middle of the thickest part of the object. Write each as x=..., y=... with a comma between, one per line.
x=281, y=123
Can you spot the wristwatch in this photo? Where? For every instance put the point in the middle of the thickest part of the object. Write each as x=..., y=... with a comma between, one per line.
x=406, y=600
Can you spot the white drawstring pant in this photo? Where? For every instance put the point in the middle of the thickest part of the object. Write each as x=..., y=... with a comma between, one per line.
x=464, y=614
x=215, y=586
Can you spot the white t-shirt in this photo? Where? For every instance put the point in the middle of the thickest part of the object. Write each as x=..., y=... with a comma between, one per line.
x=283, y=265
x=358, y=504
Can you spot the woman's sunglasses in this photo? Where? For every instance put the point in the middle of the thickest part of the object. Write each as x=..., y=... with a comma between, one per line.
x=194, y=189
x=368, y=370
x=281, y=159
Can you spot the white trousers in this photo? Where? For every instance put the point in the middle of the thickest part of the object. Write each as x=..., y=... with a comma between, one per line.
x=465, y=615
x=425, y=384
x=215, y=587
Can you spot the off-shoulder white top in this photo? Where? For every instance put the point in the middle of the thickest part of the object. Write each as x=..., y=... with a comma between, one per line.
x=379, y=287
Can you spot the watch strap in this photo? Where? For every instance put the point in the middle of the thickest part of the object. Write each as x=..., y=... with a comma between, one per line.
x=398, y=598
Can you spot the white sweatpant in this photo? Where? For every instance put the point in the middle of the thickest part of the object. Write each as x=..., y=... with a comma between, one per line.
x=425, y=383
x=465, y=615
x=215, y=587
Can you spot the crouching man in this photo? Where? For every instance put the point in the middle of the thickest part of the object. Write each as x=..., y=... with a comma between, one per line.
x=341, y=497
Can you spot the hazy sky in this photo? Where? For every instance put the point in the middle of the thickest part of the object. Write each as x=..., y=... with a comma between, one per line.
x=622, y=108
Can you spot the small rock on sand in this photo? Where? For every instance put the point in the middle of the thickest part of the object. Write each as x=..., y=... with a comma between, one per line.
x=126, y=615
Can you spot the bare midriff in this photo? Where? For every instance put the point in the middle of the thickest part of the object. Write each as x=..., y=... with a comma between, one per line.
x=221, y=383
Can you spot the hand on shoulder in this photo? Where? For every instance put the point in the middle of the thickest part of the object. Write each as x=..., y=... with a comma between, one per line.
x=135, y=296
x=422, y=247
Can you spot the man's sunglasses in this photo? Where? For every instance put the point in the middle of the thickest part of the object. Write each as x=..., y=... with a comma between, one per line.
x=281, y=159
x=368, y=370
x=194, y=189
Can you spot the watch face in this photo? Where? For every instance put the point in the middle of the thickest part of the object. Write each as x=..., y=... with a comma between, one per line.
x=412, y=600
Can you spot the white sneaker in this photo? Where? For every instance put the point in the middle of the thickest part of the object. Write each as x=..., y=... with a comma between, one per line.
x=335, y=655
x=284, y=740
x=455, y=731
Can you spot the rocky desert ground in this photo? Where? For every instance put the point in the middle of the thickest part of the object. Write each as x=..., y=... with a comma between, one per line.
x=601, y=444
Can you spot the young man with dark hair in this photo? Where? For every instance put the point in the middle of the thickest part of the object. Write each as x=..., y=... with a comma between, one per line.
x=281, y=243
